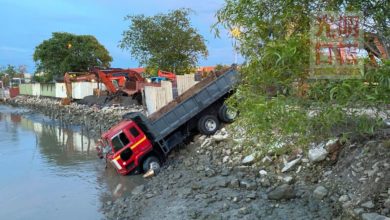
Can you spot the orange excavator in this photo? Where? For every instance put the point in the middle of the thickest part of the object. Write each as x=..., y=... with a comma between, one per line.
x=124, y=81
x=375, y=48
x=118, y=82
x=166, y=74
x=70, y=77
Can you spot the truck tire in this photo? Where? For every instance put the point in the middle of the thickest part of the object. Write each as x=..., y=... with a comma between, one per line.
x=151, y=163
x=226, y=114
x=208, y=124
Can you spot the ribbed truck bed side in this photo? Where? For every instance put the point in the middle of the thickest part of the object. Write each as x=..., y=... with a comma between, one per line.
x=188, y=108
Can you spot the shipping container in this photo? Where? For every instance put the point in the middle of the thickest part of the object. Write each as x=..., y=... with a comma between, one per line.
x=4, y=94
x=25, y=89
x=60, y=90
x=82, y=89
x=36, y=89
x=48, y=89
x=13, y=92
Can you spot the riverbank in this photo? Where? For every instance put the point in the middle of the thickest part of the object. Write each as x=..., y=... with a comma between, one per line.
x=214, y=178
x=211, y=179
x=93, y=119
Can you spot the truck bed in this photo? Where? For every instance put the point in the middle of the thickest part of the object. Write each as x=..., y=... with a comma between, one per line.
x=191, y=102
x=164, y=122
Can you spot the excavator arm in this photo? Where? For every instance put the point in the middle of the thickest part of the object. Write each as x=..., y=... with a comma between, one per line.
x=70, y=77
x=375, y=48
x=122, y=76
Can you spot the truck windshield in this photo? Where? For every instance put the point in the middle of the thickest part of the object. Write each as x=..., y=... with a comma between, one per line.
x=120, y=141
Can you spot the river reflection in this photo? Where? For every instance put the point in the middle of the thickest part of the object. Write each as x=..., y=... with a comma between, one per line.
x=51, y=172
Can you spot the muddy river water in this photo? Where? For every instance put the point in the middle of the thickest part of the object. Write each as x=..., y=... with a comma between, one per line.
x=51, y=172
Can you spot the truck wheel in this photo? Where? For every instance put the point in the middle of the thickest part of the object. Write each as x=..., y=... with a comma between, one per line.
x=151, y=163
x=208, y=124
x=227, y=115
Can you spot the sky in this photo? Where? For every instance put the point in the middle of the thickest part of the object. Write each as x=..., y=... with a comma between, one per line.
x=26, y=23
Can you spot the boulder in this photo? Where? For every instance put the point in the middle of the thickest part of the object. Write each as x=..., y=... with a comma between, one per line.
x=320, y=192
x=283, y=191
x=263, y=173
x=318, y=153
x=291, y=164
x=374, y=216
x=248, y=160
x=288, y=179
x=368, y=205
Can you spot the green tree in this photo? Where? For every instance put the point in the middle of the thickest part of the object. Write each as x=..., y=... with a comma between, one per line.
x=164, y=41
x=65, y=52
x=274, y=39
x=7, y=73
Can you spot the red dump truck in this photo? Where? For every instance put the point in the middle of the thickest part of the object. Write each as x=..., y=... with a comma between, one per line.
x=140, y=143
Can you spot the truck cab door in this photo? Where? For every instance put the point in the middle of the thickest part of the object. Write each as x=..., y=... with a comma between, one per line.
x=121, y=144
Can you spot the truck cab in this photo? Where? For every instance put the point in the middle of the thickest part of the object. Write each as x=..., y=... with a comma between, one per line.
x=127, y=147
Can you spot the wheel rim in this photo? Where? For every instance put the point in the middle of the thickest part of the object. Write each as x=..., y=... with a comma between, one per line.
x=231, y=114
x=154, y=166
x=211, y=125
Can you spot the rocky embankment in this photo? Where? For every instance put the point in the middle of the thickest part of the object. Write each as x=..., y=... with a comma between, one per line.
x=212, y=178
x=93, y=119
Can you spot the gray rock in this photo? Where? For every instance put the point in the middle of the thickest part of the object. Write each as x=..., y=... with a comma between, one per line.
x=222, y=183
x=244, y=211
x=196, y=186
x=343, y=198
x=248, y=160
x=251, y=195
x=283, y=191
x=248, y=185
x=291, y=164
x=288, y=179
x=368, y=205
x=373, y=216
x=266, y=160
x=225, y=159
x=149, y=195
x=264, y=182
x=263, y=173
x=209, y=172
x=318, y=153
x=386, y=204
x=320, y=192
x=235, y=183
x=331, y=143
x=225, y=172
x=358, y=211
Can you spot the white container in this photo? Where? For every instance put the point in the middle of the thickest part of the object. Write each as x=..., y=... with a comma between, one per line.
x=36, y=89
x=60, y=90
x=82, y=89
